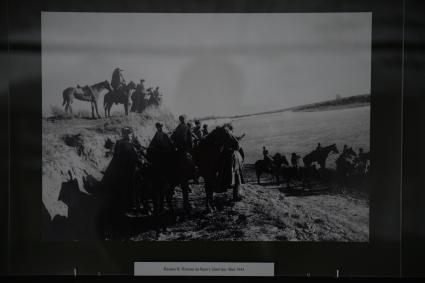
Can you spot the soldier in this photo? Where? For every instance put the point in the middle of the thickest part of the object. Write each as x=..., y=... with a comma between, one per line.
x=344, y=150
x=119, y=174
x=161, y=141
x=182, y=139
x=361, y=153
x=266, y=156
x=361, y=161
x=204, y=130
x=197, y=133
x=156, y=96
x=295, y=160
x=160, y=148
x=181, y=136
x=117, y=80
x=138, y=98
x=319, y=146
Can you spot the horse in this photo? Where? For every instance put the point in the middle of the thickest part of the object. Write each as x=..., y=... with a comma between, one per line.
x=271, y=167
x=345, y=164
x=320, y=155
x=87, y=93
x=219, y=161
x=121, y=96
x=167, y=170
x=289, y=173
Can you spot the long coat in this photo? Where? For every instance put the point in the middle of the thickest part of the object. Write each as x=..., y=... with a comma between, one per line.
x=182, y=137
x=118, y=178
x=117, y=78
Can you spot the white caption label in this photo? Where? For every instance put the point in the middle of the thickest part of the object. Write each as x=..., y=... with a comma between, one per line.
x=203, y=269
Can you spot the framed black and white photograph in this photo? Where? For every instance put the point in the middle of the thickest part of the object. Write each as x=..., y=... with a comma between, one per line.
x=189, y=131
x=234, y=127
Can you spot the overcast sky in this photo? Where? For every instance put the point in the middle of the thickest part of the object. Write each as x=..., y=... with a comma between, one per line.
x=211, y=64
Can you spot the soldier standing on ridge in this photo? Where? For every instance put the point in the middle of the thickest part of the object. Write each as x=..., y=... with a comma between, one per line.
x=138, y=98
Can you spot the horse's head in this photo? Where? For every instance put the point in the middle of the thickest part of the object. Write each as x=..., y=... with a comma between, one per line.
x=107, y=85
x=277, y=159
x=350, y=152
x=334, y=149
x=223, y=137
x=131, y=85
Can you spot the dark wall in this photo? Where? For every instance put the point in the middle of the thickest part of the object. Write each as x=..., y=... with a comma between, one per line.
x=413, y=194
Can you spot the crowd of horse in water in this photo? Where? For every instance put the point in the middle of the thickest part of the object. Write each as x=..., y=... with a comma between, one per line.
x=349, y=165
x=217, y=157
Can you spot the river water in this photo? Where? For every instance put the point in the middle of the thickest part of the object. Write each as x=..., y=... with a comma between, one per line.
x=299, y=132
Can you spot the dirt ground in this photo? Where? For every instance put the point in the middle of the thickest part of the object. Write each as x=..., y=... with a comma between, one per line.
x=272, y=213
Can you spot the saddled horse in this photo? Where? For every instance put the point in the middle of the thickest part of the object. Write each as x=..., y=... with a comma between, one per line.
x=270, y=166
x=320, y=155
x=87, y=93
x=119, y=96
x=219, y=161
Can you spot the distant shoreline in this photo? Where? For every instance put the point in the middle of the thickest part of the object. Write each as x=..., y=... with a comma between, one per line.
x=341, y=103
x=335, y=107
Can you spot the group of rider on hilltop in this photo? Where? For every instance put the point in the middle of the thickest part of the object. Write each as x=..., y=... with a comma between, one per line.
x=139, y=95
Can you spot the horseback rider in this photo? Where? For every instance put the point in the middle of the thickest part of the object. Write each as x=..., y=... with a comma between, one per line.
x=117, y=80
x=204, y=130
x=266, y=156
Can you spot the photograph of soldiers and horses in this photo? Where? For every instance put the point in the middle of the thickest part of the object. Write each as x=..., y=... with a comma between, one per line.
x=222, y=127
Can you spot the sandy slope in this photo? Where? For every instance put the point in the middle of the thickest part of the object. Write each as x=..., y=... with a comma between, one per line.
x=59, y=158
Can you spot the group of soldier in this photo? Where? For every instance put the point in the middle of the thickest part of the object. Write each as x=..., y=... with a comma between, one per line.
x=161, y=150
x=183, y=138
x=360, y=158
x=141, y=96
x=269, y=159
